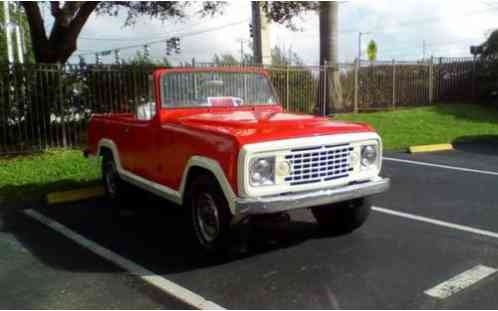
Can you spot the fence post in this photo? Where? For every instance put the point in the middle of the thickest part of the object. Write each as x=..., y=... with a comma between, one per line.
x=325, y=88
x=439, y=74
x=194, y=78
x=61, y=104
x=474, y=78
x=431, y=78
x=356, y=73
x=287, y=88
x=394, y=85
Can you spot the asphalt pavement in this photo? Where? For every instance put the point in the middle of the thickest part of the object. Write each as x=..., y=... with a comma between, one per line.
x=388, y=263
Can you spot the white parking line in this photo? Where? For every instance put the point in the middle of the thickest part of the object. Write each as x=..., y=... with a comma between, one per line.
x=437, y=222
x=456, y=168
x=148, y=276
x=460, y=282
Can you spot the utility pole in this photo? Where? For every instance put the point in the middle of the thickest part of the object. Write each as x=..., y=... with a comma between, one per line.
x=359, y=43
x=423, y=50
x=261, y=35
x=8, y=33
x=241, y=52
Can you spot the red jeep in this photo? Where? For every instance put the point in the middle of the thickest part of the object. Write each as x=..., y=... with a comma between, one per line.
x=216, y=142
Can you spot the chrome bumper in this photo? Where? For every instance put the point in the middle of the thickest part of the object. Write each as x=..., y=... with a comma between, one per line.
x=280, y=203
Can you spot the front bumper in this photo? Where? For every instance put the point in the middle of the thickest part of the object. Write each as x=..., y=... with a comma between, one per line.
x=281, y=203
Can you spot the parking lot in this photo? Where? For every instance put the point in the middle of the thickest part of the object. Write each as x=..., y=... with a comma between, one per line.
x=438, y=220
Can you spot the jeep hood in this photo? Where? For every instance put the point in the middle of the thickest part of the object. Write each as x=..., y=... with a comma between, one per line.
x=258, y=126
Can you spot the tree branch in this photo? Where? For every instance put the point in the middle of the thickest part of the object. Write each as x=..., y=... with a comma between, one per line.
x=36, y=28
x=68, y=12
x=55, y=8
x=82, y=16
x=70, y=18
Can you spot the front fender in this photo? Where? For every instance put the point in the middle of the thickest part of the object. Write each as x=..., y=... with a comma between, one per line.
x=214, y=167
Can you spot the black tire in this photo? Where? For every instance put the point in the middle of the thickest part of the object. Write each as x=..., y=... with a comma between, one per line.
x=115, y=187
x=209, y=214
x=343, y=217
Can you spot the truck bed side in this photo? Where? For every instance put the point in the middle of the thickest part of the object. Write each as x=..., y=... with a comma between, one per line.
x=105, y=126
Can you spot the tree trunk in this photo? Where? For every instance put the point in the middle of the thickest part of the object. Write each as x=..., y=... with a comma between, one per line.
x=55, y=51
x=62, y=42
x=330, y=97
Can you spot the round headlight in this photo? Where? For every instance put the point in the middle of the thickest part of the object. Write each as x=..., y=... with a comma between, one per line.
x=368, y=155
x=283, y=168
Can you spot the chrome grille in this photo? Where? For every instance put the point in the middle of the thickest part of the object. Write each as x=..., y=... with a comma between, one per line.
x=319, y=163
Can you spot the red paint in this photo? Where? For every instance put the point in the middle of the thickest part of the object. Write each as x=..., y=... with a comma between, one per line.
x=159, y=149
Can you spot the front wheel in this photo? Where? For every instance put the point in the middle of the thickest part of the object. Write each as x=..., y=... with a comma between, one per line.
x=209, y=213
x=117, y=191
x=342, y=217
x=111, y=178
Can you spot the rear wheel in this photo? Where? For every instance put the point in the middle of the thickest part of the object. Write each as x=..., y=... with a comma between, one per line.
x=342, y=217
x=209, y=214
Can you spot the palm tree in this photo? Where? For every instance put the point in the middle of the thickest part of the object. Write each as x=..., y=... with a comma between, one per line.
x=328, y=32
x=330, y=90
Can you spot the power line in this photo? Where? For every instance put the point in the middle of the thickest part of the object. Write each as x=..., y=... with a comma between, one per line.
x=188, y=34
x=415, y=22
x=89, y=38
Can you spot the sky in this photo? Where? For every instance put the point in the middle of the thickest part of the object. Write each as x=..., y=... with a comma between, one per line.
x=399, y=28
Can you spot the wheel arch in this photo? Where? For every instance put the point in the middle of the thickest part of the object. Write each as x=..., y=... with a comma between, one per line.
x=106, y=145
x=202, y=165
x=195, y=165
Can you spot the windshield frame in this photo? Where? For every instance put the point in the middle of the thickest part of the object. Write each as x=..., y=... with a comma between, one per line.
x=161, y=73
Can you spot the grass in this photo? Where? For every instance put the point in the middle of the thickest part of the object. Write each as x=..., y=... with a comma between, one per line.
x=26, y=178
x=442, y=123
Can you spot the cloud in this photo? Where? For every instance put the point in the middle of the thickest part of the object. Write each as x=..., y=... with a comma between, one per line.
x=448, y=28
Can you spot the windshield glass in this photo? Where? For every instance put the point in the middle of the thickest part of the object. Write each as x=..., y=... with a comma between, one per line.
x=215, y=89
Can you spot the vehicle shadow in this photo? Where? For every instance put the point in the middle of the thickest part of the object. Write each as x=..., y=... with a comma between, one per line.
x=479, y=144
x=151, y=233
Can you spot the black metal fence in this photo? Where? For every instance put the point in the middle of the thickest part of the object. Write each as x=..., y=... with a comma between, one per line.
x=47, y=106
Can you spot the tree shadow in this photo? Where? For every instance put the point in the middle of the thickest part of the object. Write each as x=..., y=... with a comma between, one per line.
x=463, y=112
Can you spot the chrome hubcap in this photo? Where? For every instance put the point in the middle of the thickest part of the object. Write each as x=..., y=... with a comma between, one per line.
x=207, y=217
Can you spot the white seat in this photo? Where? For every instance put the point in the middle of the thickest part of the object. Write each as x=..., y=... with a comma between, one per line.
x=146, y=111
